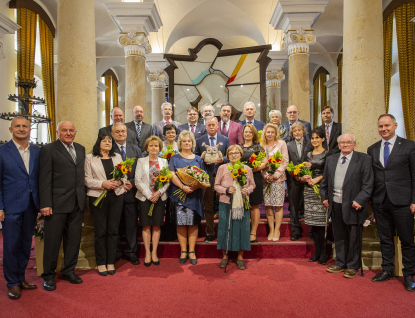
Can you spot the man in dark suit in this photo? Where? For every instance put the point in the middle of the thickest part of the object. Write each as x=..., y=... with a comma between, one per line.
x=298, y=148
x=227, y=127
x=193, y=124
x=333, y=131
x=167, y=112
x=62, y=202
x=345, y=190
x=142, y=130
x=128, y=224
x=212, y=138
x=19, y=203
x=393, y=198
x=292, y=115
x=249, y=112
x=117, y=116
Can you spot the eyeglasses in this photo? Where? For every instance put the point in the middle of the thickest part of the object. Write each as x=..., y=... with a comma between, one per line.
x=346, y=142
x=293, y=112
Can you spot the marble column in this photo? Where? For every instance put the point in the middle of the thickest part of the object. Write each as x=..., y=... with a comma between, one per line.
x=157, y=81
x=101, y=87
x=363, y=87
x=274, y=79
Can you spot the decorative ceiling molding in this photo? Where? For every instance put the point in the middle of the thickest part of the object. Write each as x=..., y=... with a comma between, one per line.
x=7, y=26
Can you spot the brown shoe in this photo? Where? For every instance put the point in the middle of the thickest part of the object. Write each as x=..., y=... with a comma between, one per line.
x=14, y=292
x=223, y=263
x=336, y=269
x=350, y=273
x=240, y=263
x=27, y=286
x=216, y=216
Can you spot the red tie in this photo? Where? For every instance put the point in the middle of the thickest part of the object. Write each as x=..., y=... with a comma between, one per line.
x=224, y=129
x=193, y=129
x=167, y=122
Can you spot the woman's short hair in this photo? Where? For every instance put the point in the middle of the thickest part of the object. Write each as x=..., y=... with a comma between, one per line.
x=168, y=127
x=319, y=132
x=184, y=134
x=264, y=130
x=297, y=124
x=275, y=112
x=96, y=150
x=237, y=147
x=151, y=139
x=255, y=137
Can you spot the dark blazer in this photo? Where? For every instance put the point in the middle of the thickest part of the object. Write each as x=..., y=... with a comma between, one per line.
x=259, y=125
x=293, y=154
x=357, y=186
x=132, y=151
x=307, y=126
x=200, y=129
x=15, y=183
x=61, y=181
x=131, y=137
x=397, y=179
x=234, y=133
x=158, y=127
x=336, y=131
x=146, y=131
x=213, y=168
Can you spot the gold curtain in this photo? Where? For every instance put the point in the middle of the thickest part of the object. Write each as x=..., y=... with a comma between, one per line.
x=339, y=91
x=26, y=42
x=315, y=100
x=406, y=49
x=323, y=91
x=48, y=74
x=107, y=99
x=114, y=93
x=387, y=57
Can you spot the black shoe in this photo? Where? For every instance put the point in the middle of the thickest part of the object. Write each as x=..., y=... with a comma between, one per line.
x=409, y=283
x=193, y=261
x=133, y=259
x=72, y=278
x=49, y=285
x=314, y=258
x=383, y=277
x=209, y=238
x=295, y=236
x=288, y=215
x=323, y=259
x=104, y=273
x=147, y=264
x=183, y=260
x=254, y=241
x=111, y=272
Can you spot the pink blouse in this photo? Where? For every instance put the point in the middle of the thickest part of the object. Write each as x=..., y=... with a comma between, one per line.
x=224, y=180
x=280, y=146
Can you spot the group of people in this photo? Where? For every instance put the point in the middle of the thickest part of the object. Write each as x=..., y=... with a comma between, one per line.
x=52, y=179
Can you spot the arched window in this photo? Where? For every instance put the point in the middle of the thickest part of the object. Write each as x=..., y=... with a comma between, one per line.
x=109, y=97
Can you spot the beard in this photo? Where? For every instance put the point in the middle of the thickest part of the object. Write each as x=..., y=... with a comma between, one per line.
x=224, y=119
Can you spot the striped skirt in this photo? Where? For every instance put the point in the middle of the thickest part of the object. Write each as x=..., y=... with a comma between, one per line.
x=314, y=210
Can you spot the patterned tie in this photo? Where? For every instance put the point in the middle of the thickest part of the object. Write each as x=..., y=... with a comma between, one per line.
x=343, y=159
x=167, y=122
x=299, y=149
x=327, y=136
x=139, y=131
x=71, y=151
x=193, y=129
x=224, y=129
x=386, y=153
x=212, y=141
x=122, y=153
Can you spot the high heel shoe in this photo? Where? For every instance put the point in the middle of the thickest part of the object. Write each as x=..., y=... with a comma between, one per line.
x=111, y=272
x=192, y=261
x=276, y=238
x=104, y=273
x=157, y=263
x=183, y=260
x=147, y=264
x=254, y=241
x=270, y=237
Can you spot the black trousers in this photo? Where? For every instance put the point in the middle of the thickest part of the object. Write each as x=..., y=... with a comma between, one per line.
x=390, y=217
x=295, y=191
x=346, y=238
x=58, y=226
x=106, y=222
x=130, y=220
x=209, y=207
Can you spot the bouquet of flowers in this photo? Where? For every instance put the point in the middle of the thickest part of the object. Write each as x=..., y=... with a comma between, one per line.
x=159, y=182
x=193, y=177
x=255, y=160
x=119, y=172
x=303, y=169
x=239, y=173
x=40, y=225
x=168, y=153
x=273, y=164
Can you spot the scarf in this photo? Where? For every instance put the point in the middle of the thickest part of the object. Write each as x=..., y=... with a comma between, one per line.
x=237, y=202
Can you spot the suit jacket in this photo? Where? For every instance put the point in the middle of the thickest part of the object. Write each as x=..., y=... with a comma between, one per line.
x=130, y=134
x=259, y=125
x=211, y=169
x=15, y=182
x=200, y=129
x=397, y=179
x=234, y=134
x=142, y=181
x=357, y=186
x=158, y=127
x=131, y=151
x=293, y=154
x=95, y=175
x=336, y=131
x=146, y=131
x=307, y=129
x=61, y=181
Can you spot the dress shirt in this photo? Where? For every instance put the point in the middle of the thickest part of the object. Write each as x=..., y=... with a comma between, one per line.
x=68, y=149
x=382, y=148
x=165, y=121
x=190, y=126
x=329, y=127
x=299, y=147
x=25, y=153
x=249, y=121
x=339, y=176
x=119, y=145
x=215, y=140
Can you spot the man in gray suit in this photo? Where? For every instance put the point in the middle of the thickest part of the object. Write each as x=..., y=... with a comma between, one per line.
x=142, y=130
x=167, y=112
x=345, y=190
x=117, y=116
x=129, y=216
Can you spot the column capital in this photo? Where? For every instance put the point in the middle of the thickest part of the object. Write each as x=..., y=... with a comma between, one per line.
x=157, y=79
x=134, y=43
x=275, y=77
x=298, y=41
x=7, y=26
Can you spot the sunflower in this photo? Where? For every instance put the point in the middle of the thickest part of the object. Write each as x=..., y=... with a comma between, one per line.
x=296, y=171
x=244, y=171
x=234, y=175
x=124, y=169
x=163, y=178
x=254, y=164
x=273, y=161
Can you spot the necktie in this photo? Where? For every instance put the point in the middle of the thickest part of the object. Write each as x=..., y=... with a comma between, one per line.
x=249, y=122
x=193, y=129
x=327, y=136
x=224, y=129
x=139, y=131
x=299, y=149
x=167, y=122
x=72, y=153
x=122, y=153
x=386, y=153
x=343, y=159
x=212, y=141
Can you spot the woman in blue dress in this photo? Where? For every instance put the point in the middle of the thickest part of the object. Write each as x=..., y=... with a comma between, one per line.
x=188, y=213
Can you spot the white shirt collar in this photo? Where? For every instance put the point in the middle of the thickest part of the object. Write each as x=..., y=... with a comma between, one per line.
x=329, y=125
x=67, y=146
x=391, y=141
x=20, y=147
x=119, y=145
x=348, y=157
